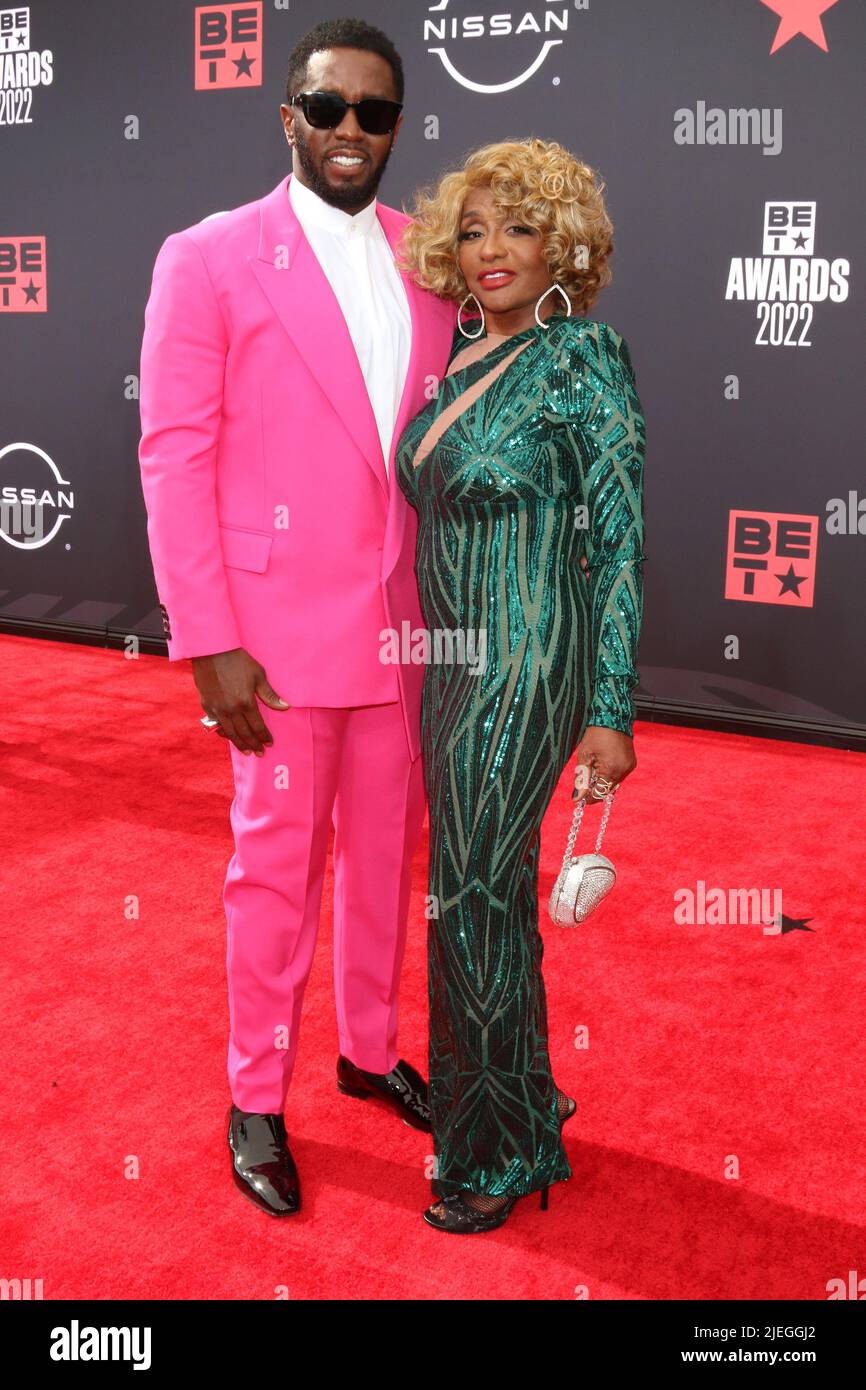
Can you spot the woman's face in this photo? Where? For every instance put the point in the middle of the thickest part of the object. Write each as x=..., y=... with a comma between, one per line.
x=500, y=257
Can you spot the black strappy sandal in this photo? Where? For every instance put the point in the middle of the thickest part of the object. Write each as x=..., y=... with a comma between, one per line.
x=461, y=1218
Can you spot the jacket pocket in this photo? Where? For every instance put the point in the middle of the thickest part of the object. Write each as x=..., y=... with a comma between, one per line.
x=246, y=550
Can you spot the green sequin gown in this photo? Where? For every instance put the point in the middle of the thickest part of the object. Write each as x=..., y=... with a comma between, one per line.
x=545, y=465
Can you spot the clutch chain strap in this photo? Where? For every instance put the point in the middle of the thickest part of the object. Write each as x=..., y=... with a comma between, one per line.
x=575, y=825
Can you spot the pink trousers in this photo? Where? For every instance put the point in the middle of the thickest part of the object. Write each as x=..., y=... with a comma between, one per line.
x=352, y=766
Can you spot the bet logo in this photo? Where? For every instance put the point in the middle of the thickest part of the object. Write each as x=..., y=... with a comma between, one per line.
x=771, y=558
x=228, y=45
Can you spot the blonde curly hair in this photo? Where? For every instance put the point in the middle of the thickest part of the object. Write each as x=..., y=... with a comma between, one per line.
x=546, y=187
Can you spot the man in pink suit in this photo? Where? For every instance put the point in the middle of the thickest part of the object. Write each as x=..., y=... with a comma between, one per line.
x=284, y=352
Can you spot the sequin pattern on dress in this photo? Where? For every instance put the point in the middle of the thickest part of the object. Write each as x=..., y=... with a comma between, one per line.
x=546, y=464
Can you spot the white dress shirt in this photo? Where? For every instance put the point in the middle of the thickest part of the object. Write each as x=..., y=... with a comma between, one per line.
x=354, y=254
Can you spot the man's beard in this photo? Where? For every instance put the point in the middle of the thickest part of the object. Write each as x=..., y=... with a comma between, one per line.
x=344, y=198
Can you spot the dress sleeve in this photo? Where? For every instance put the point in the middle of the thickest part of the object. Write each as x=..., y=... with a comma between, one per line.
x=607, y=433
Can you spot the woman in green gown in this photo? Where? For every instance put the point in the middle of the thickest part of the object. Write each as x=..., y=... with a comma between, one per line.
x=526, y=471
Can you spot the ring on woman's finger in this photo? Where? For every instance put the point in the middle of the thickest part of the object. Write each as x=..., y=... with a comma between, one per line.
x=604, y=784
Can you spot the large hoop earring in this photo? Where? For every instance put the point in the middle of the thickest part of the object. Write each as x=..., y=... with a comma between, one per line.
x=460, y=311
x=554, y=286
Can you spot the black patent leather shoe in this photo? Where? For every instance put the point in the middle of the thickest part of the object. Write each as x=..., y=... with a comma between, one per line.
x=262, y=1163
x=402, y=1090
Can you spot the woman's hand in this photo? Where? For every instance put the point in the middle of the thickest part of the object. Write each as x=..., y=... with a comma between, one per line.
x=606, y=754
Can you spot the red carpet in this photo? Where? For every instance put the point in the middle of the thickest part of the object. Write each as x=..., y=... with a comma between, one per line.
x=706, y=1042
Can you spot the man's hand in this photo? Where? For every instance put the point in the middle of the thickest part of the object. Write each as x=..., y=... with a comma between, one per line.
x=228, y=684
x=602, y=753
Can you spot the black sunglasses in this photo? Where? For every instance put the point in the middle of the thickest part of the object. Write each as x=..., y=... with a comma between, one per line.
x=325, y=111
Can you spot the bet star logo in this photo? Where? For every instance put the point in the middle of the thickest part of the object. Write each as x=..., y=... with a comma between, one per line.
x=228, y=45
x=799, y=17
x=771, y=558
x=23, y=283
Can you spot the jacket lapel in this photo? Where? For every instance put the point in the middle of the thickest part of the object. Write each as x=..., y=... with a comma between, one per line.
x=300, y=294
x=392, y=225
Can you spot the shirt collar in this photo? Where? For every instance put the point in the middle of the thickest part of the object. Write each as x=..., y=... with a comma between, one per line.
x=311, y=209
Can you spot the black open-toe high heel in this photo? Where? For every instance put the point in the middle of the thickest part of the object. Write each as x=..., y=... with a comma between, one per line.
x=460, y=1217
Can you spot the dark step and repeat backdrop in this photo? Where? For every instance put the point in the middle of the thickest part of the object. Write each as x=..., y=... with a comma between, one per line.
x=730, y=135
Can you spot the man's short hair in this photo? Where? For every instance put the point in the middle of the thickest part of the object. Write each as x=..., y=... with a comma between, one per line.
x=342, y=33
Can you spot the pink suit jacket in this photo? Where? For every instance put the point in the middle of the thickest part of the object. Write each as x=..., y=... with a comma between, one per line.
x=271, y=521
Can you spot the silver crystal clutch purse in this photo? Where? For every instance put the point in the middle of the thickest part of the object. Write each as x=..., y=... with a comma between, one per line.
x=584, y=879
